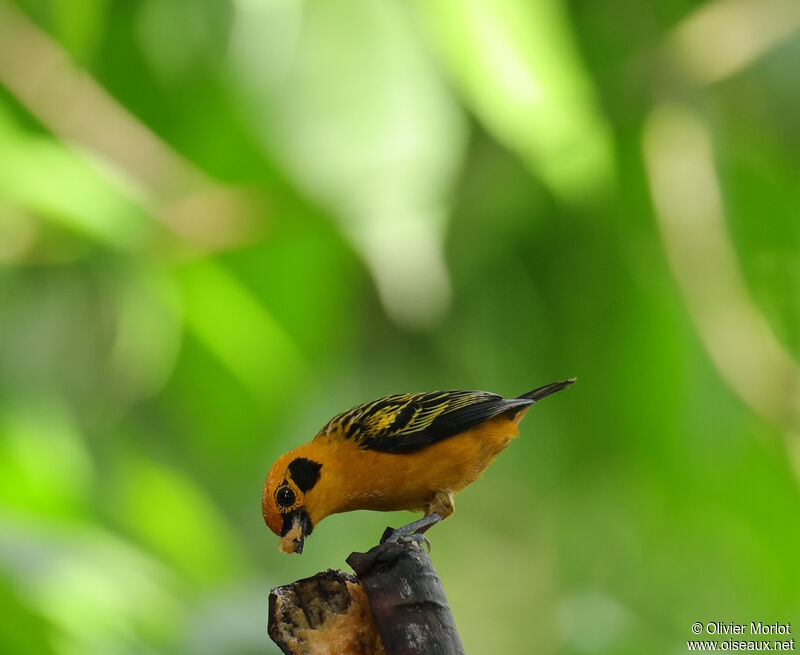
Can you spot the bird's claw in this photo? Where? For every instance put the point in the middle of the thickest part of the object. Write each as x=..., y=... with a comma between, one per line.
x=413, y=532
x=417, y=538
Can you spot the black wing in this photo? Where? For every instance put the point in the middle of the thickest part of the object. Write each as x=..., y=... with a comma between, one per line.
x=404, y=423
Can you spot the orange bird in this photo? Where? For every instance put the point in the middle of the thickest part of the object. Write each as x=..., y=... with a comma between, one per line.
x=410, y=451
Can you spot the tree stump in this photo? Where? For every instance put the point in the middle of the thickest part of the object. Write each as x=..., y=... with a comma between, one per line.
x=394, y=605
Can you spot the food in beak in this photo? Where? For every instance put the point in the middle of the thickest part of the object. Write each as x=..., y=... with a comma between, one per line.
x=298, y=528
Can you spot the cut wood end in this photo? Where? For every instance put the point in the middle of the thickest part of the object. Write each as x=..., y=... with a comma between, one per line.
x=327, y=614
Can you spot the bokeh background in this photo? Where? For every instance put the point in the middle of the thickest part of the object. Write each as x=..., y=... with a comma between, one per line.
x=223, y=221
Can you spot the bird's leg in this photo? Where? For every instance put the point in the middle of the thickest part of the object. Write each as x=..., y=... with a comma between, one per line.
x=415, y=527
x=414, y=531
x=443, y=505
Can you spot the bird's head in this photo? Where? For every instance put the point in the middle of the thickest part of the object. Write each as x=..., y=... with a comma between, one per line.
x=284, y=502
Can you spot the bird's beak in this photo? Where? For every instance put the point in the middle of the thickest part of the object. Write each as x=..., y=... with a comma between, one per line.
x=296, y=527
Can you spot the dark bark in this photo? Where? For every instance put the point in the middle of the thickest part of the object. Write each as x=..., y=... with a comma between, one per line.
x=407, y=600
x=396, y=605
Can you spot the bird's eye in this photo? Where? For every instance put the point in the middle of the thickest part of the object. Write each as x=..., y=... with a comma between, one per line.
x=285, y=497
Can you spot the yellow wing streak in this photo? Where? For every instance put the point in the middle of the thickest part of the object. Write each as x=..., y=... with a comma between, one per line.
x=404, y=422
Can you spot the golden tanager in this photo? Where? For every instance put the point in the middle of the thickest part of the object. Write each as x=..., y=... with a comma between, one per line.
x=409, y=451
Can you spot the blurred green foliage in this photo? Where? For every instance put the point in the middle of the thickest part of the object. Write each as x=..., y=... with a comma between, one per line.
x=394, y=196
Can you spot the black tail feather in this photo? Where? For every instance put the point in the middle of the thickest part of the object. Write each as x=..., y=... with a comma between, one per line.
x=547, y=389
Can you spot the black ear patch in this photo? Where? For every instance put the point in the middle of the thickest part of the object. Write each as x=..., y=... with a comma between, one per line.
x=304, y=472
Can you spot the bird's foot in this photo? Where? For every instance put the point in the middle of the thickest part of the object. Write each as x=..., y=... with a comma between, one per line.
x=413, y=532
x=413, y=538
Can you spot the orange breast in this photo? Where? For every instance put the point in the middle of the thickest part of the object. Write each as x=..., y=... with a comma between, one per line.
x=368, y=479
